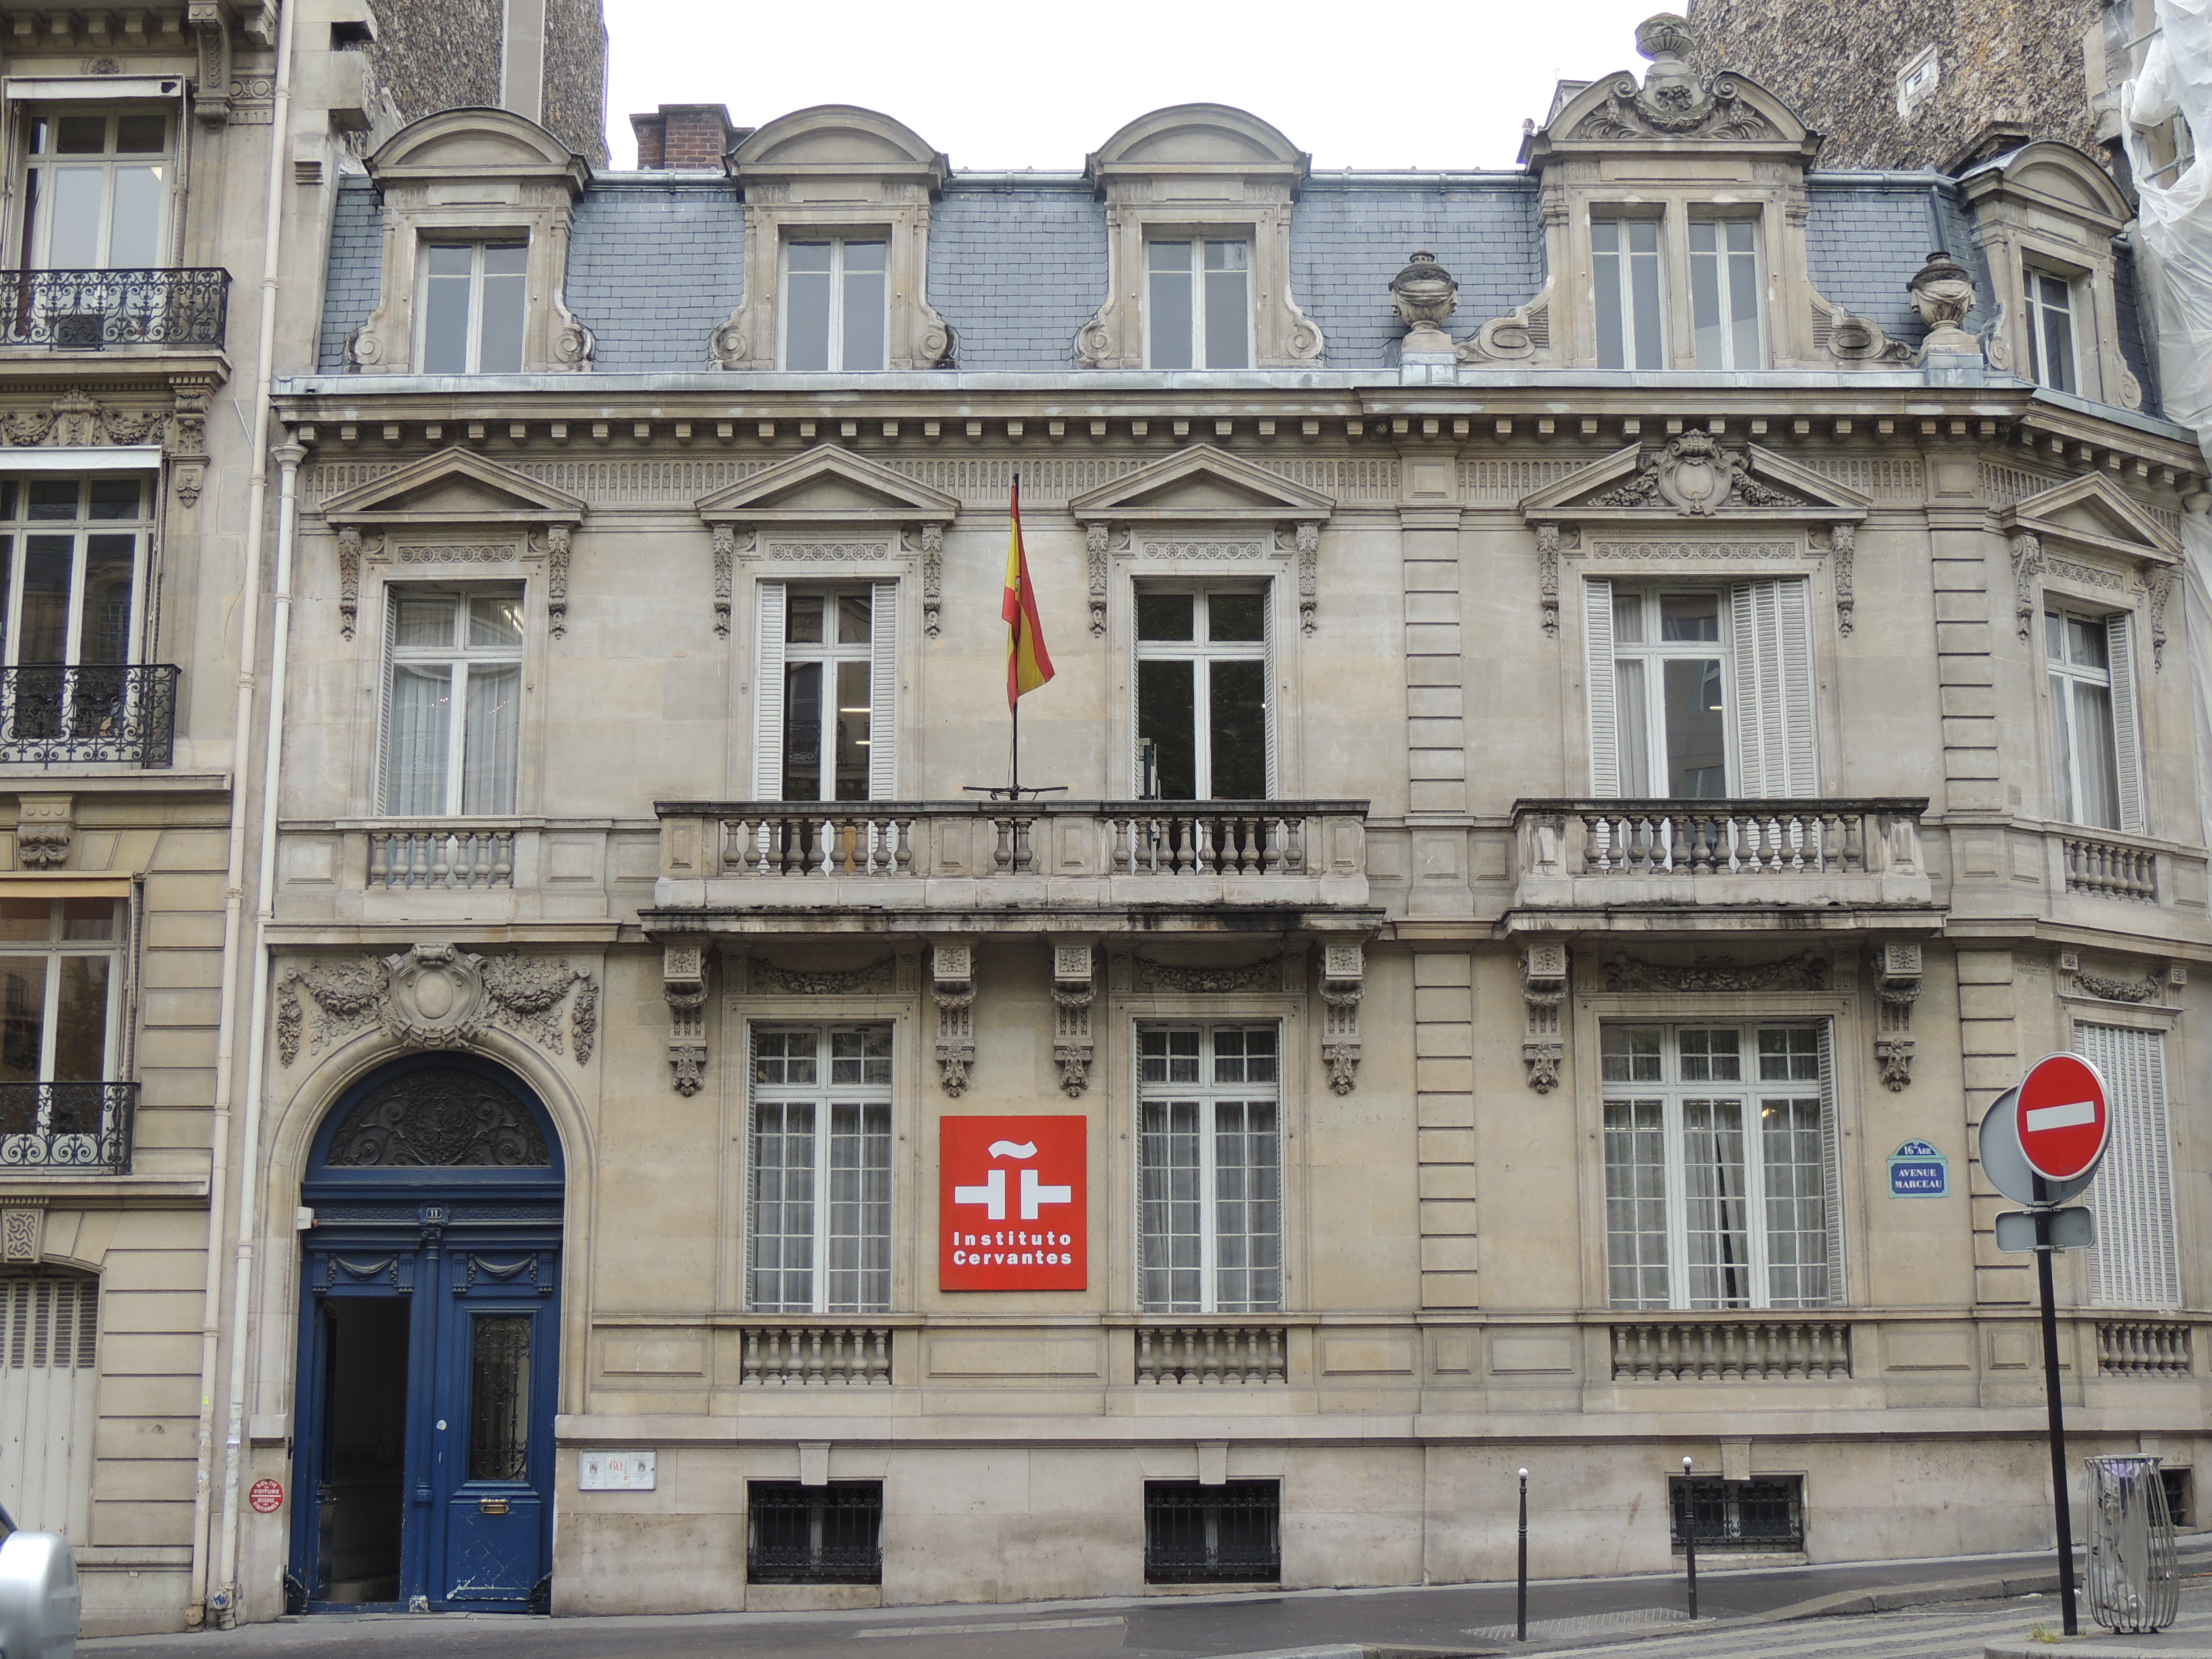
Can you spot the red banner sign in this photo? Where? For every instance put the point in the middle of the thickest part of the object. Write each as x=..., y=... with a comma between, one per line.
x=1011, y=1204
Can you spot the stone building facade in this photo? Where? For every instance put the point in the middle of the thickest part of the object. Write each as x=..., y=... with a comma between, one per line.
x=546, y=60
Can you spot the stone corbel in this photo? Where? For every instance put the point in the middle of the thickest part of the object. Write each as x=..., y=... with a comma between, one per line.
x=573, y=343
x=1543, y=987
x=1897, y=986
x=725, y=558
x=2026, y=567
x=953, y=986
x=1074, y=986
x=683, y=984
x=1843, y=538
x=2158, y=589
x=353, y=548
x=188, y=454
x=1095, y=536
x=1548, y=576
x=211, y=90
x=1343, y=982
x=933, y=577
x=23, y=1232
x=730, y=345
x=1308, y=547
x=553, y=548
x=45, y=825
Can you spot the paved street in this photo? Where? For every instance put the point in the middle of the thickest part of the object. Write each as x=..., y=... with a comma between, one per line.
x=1748, y=1615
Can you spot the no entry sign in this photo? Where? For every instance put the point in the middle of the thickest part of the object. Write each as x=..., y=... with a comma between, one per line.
x=2063, y=1118
x=1011, y=1198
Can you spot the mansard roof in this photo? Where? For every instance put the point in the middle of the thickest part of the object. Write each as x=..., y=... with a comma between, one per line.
x=454, y=486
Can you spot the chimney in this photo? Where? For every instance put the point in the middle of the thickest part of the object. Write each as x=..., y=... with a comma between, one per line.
x=689, y=136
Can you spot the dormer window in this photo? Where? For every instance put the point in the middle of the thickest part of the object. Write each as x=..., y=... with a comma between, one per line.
x=2051, y=359
x=1724, y=289
x=1201, y=304
x=475, y=297
x=836, y=300
x=1625, y=276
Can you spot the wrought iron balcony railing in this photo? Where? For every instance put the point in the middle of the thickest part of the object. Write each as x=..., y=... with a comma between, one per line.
x=112, y=310
x=83, y=1128
x=124, y=715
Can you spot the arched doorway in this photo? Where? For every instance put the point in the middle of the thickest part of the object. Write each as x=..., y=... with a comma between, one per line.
x=429, y=1305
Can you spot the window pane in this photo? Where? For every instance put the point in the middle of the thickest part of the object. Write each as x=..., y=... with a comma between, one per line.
x=861, y=1056
x=141, y=135
x=1236, y=616
x=854, y=619
x=1743, y=300
x=81, y=1022
x=1718, y=1246
x=782, y=1254
x=2061, y=744
x=1628, y=618
x=1170, y=1207
x=1168, y=1056
x=2095, y=772
x=53, y=498
x=80, y=135
x=1643, y=275
x=1247, y=1209
x=1696, y=739
x=1168, y=326
x=27, y=919
x=2085, y=643
x=803, y=619
x=1711, y=1056
x=1166, y=615
x=499, y=1397
x=22, y=1016
x=1791, y=1055
x=1605, y=288
x=424, y=623
x=417, y=747
x=115, y=498
x=863, y=309
x=1166, y=719
x=1694, y=617
x=802, y=731
x=852, y=729
x=103, y=632
x=495, y=620
x=487, y=751
x=858, y=1243
x=1228, y=307
x=1797, y=1203
x=73, y=196
x=1705, y=299
x=1632, y=730
x=1238, y=731
x=445, y=311
x=806, y=308
x=1635, y=1203
x=499, y=325
x=134, y=240
x=46, y=571
x=1630, y=1052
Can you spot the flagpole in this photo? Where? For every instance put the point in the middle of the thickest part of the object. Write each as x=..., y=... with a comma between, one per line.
x=1014, y=764
x=1014, y=772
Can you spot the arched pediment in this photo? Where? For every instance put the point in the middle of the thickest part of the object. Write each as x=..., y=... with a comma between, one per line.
x=454, y=486
x=828, y=486
x=1201, y=484
x=1618, y=109
x=1205, y=137
x=2053, y=175
x=476, y=143
x=836, y=138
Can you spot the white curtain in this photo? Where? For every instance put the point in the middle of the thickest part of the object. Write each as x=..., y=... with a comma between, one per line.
x=488, y=741
x=415, y=755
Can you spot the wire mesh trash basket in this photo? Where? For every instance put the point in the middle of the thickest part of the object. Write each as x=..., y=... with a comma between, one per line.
x=2134, y=1583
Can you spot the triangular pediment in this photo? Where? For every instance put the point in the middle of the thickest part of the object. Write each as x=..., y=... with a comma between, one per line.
x=828, y=486
x=2092, y=512
x=455, y=486
x=1202, y=484
x=1693, y=475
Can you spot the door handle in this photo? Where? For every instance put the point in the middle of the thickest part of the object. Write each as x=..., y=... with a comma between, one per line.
x=491, y=1506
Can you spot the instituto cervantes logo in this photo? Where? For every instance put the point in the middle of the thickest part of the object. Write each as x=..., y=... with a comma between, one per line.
x=1011, y=1204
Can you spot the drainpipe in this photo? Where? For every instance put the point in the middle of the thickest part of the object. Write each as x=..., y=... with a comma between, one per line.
x=223, y=1603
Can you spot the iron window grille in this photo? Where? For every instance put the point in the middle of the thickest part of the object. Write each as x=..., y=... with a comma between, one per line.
x=110, y=310
x=1227, y=1534
x=83, y=1127
x=1740, y=1515
x=832, y=1534
x=2177, y=1484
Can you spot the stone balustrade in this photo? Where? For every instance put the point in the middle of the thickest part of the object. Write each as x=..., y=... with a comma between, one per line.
x=431, y=855
x=785, y=1356
x=2144, y=1347
x=1212, y=1353
x=1748, y=1349
x=2111, y=869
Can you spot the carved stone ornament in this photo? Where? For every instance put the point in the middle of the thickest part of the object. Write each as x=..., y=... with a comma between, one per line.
x=23, y=1232
x=553, y=548
x=2136, y=991
x=683, y=985
x=1799, y=973
x=1675, y=101
x=1896, y=989
x=1266, y=975
x=2026, y=568
x=1544, y=966
x=952, y=988
x=1695, y=474
x=764, y=978
x=726, y=554
x=76, y=420
x=1423, y=294
x=1942, y=293
x=440, y=1119
x=2158, y=589
x=437, y=996
x=1843, y=546
x=1548, y=576
x=1074, y=986
x=353, y=548
x=44, y=827
x=1849, y=338
x=1095, y=536
x=1343, y=982
x=932, y=578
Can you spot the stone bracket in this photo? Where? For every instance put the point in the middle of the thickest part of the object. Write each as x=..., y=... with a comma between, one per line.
x=45, y=826
x=1897, y=986
x=684, y=971
x=1544, y=966
x=953, y=986
x=1343, y=982
x=1074, y=986
x=23, y=1231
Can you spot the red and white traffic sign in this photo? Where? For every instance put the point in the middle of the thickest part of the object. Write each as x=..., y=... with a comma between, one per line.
x=1011, y=1204
x=266, y=1495
x=2062, y=1119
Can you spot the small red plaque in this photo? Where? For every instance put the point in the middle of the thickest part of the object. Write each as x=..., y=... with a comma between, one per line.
x=267, y=1497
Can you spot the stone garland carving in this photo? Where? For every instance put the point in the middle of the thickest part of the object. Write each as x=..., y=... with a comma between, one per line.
x=1266, y=975
x=683, y=985
x=1548, y=576
x=439, y=996
x=1543, y=987
x=952, y=988
x=2116, y=990
x=764, y=978
x=1343, y=981
x=1696, y=474
x=1074, y=987
x=726, y=558
x=1423, y=294
x=1800, y=973
x=76, y=420
x=1094, y=542
x=1896, y=989
x=2026, y=567
x=1843, y=544
x=2158, y=589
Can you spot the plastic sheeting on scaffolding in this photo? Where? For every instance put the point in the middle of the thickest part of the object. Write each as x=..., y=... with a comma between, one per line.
x=2174, y=240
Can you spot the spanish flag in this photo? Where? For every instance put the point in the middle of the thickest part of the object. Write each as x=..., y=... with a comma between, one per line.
x=1029, y=665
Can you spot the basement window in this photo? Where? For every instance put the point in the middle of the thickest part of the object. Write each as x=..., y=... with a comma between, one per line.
x=832, y=1534
x=1226, y=1534
x=1767, y=1514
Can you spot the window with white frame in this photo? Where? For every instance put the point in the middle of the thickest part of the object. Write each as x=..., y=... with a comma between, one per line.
x=1724, y=293
x=2051, y=329
x=97, y=184
x=1199, y=304
x=2096, y=765
x=1632, y=330
x=1701, y=693
x=1204, y=721
x=73, y=558
x=837, y=296
x=826, y=692
x=1209, y=1169
x=819, y=1222
x=2136, y=1263
x=452, y=690
x=60, y=981
x=475, y=298
x=1720, y=1167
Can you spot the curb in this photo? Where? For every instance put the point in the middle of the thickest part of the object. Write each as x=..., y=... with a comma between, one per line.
x=1842, y=1603
x=2078, y=1649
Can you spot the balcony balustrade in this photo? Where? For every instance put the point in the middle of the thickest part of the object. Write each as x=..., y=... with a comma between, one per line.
x=1211, y=1353
x=72, y=1128
x=114, y=310
x=1747, y=1349
x=427, y=855
x=2111, y=869
x=119, y=715
x=2144, y=1347
x=786, y=1356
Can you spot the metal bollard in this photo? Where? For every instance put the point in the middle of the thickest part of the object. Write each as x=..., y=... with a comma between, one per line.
x=1690, y=1533
x=1520, y=1599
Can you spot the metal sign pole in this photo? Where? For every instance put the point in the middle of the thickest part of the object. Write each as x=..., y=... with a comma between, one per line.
x=1690, y=1534
x=1520, y=1597
x=2061, y=1510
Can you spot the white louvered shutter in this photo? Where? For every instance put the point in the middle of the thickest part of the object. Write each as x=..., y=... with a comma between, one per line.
x=768, y=692
x=2137, y=1262
x=1772, y=640
x=49, y=1352
x=1604, y=722
x=882, y=693
x=1832, y=1169
x=2127, y=743
x=384, y=700
x=1274, y=705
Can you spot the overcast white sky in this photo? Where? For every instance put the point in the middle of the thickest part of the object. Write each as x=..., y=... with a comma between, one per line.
x=1000, y=85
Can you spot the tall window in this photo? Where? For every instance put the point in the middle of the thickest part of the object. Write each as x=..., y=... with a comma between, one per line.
x=826, y=693
x=1210, y=1178
x=835, y=304
x=1204, y=731
x=474, y=297
x=821, y=1161
x=97, y=186
x=1200, y=296
x=1724, y=289
x=2136, y=1263
x=2092, y=732
x=1720, y=1182
x=74, y=551
x=2051, y=357
x=453, y=701
x=1624, y=275
x=58, y=983
x=1701, y=695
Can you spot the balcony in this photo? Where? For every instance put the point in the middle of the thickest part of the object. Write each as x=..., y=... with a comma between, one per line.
x=104, y=714
x=71, y=1129
x=115, y=310
x=1676, y=857
x=963, y=856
